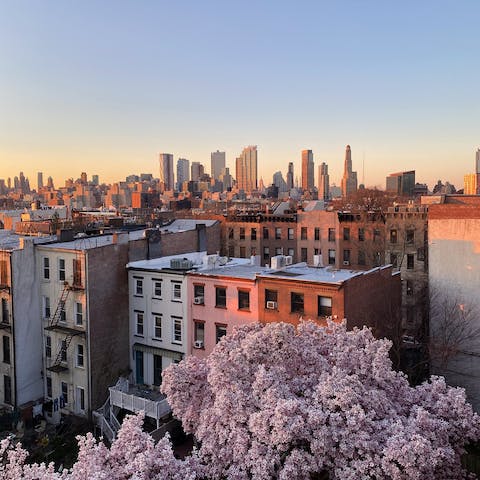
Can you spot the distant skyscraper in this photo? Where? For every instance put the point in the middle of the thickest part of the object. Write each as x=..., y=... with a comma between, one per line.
x=470, y=184
x=197, y=171
x=226, y=178
x=401, y=183
x=166, y=170
x=83, y=178
x=323, y=182
x=307, y=170
x=246, y=169
x=290, y=176
x=50, y=183
x=349, y=179
x=279, y=182
x=39, y=181
x=217, y=164
x=477, y=170
x=183, y=172
x=95, y=179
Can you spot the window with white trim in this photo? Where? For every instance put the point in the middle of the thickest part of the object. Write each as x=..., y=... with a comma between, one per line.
x=157, y=326
x=46, y=268
x=139, y=323
x=61, y=269
x=157, y=288
x=80, y=355
x=78, y=313
x=176, y=291
x=177, y=330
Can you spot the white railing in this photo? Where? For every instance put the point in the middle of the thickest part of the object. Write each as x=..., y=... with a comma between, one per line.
x=105, y=427
x=134, y=403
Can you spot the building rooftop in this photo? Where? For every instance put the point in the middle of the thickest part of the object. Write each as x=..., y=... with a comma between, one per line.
x=177, y=226
x=10, y=240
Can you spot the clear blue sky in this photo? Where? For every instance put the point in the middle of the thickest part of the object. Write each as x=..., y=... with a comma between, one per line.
x=104, y=86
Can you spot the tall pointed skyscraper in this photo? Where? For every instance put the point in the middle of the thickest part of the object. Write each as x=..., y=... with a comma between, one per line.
x=290, y=176
x=166, y=170
x=349, y=179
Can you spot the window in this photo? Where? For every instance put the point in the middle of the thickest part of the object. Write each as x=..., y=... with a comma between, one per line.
x=199, y=294
x=291, y=235
x=7, y=389
x=63, y=350
x=291, y=252
x=139, y=367
x=221, y=297
x=409, y=237
x=279, y=251
x=278, y=233
x=49, y=387
x=78, y=313
x=331, y=234
x=220, y=331
x=157, y=326
x=230, y=233
x=242, y=233
x=3, y=272
x=331, y=257
x=421, y=254
x=46, y=307
x=61, y=269
x=5, y=315
x=266, y=253
x=317, y=251
x=199, y=332
x=394, y=260
x=270, y=296
x=303, y=233
x=157, y=369
x=65, y=392
x=410, y=261
x=253, y=234
x=157, y=288
x=139, y=323
x=48, y=346
x=77, y=272
x=231, y=251
x=139, y=287
x=361, y=257
x=317, y=233
x=303, y=254
x=243, y=300
x=6, y=349
x=346, y=257
x=296, y=302
x=409, y=287
x=80, y=355
x=176, y=291
x=346, y=234
x=80, y=391
x=177, y=330
x=63, y=313
x=46, y=268
x=376, y=235
x=265, y=232
x=393, y=236
x=243, y=252
x=324, y=306
x=361, y=234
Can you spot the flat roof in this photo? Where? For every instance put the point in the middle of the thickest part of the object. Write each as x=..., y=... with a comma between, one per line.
x=83, y=243
x=9, y=240
x=163, y=263
x=177, y=226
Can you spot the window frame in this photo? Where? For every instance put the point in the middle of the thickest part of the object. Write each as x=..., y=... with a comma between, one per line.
x=297, y=306
x=80, y=355
x=157, y=288
x=324, y=310
x=177, y=333
x=62, y=272
x=139, y=323
x=157, y=328
x=223, y=298
x=243, y=300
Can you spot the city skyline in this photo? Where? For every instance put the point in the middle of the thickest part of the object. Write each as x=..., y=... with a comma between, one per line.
x=397, y=82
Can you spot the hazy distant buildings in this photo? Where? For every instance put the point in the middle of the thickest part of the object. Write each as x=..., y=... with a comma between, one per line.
x=183, y=172
x=307, y=170
x=166, y=171
x=95, y=180
x=323, y=182
x=226, y=178
x=279, y=182
x=349, y=179
x=401, y=183
x=246, y=169
x=290, y=176
x=39, y=181
x=217, y=164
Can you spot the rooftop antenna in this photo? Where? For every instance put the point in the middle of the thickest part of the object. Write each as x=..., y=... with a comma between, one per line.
x=363, y=169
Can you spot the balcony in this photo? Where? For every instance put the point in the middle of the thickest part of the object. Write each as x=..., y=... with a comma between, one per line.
x=135, y=398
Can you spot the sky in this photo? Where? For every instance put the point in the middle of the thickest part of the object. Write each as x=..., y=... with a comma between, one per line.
x=105, y=86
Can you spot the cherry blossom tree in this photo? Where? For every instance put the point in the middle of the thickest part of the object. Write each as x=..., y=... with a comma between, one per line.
x=133, y=455
x=273, y=401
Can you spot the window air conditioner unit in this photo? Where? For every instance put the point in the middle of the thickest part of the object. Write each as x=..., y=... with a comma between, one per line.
x=288, y=260
x=198, y=344
x=346, y=262
x=271, y=305
x=198, y=300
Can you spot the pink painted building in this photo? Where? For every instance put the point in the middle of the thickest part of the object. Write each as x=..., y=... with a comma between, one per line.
x=222, y=296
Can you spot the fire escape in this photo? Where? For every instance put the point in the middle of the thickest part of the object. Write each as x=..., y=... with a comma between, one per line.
x=55, y=323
